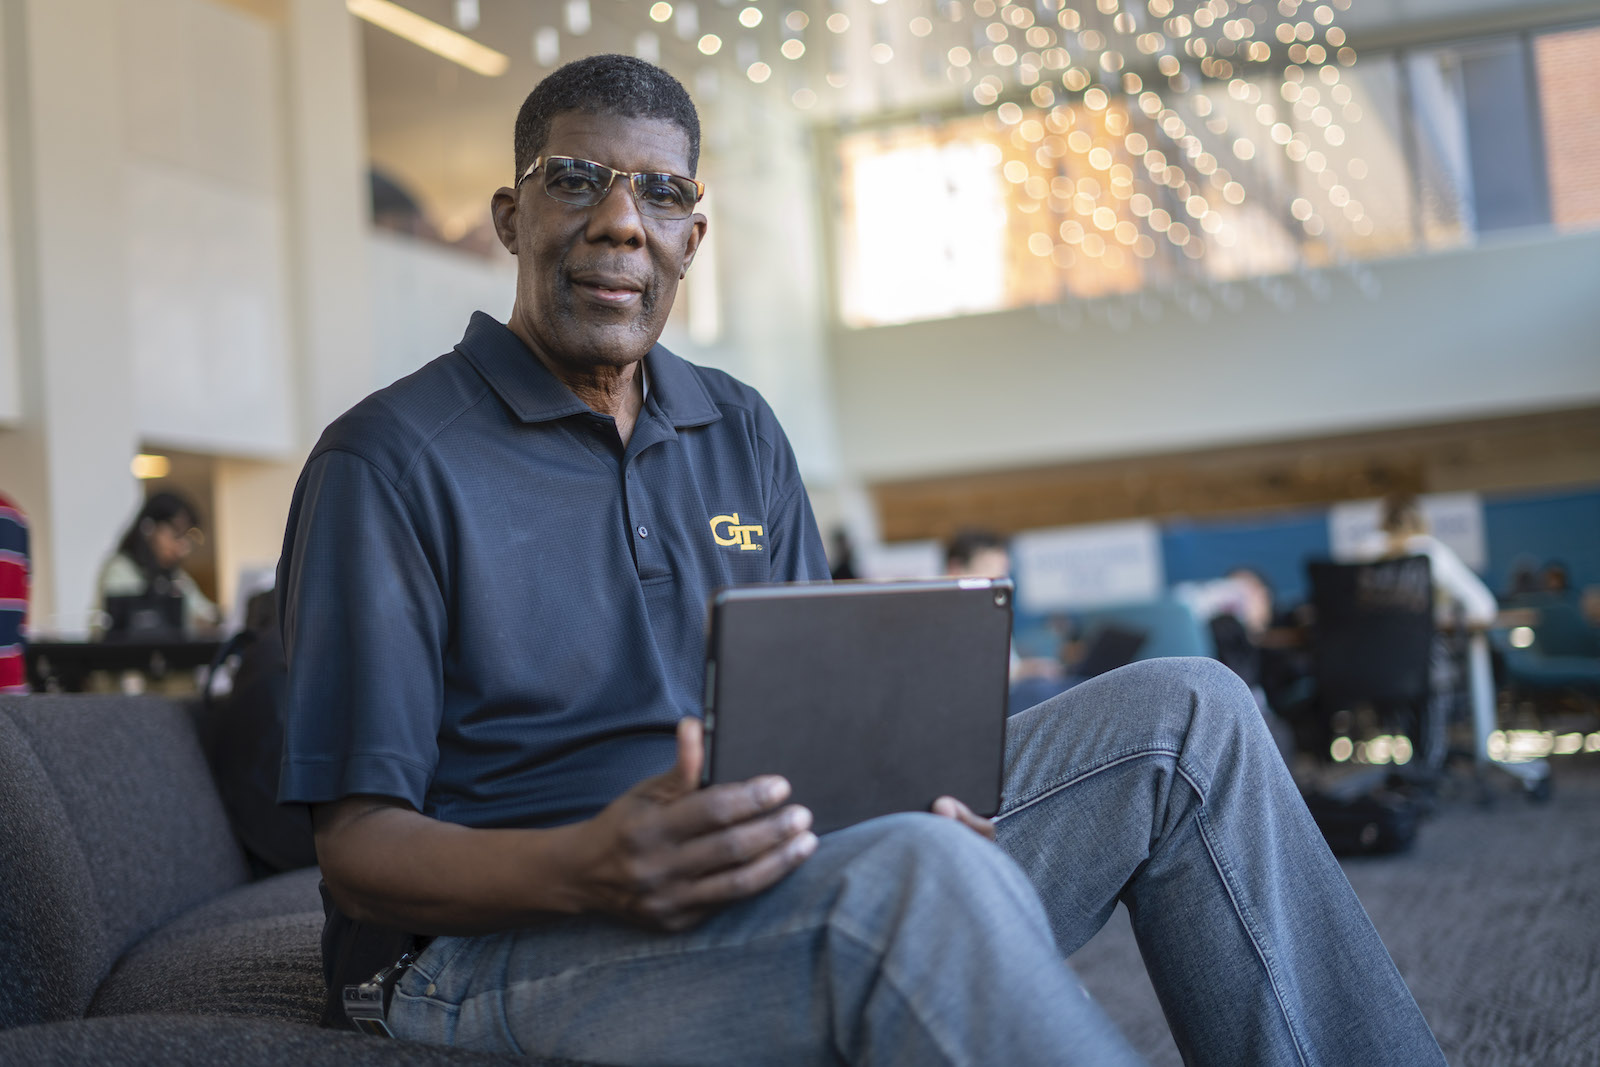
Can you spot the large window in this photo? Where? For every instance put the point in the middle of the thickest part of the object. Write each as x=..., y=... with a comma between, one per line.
x=1409, y=151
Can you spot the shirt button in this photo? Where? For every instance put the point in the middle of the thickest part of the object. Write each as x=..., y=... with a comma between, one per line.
x=643, y=532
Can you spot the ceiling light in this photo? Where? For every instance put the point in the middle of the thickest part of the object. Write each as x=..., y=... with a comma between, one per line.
x=425, y=33
x=149, y=466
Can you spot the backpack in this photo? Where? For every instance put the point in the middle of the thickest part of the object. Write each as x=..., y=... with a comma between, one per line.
x=242, y=734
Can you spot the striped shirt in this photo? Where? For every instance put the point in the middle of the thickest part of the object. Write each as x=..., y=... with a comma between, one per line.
x=13, y=596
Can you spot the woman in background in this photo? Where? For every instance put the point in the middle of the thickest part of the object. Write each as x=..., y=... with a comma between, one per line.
x=149, y=560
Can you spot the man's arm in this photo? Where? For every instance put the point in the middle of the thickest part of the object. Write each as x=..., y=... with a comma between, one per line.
x=664, y=854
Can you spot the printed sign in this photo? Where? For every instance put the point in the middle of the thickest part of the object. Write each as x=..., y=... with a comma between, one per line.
x=1454, y=518
x=1079, y=567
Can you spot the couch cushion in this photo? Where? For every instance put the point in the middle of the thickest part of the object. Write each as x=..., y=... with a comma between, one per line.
x=255, y=950
x=134, y=784
x=50, y=932
x=188, y=1041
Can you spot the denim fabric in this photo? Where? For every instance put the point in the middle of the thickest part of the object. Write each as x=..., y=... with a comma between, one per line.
x=910, y=940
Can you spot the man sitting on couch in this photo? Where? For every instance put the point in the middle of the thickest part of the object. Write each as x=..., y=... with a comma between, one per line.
x=493, y=591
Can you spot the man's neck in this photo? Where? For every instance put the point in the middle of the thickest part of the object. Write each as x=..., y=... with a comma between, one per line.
x=614, y=391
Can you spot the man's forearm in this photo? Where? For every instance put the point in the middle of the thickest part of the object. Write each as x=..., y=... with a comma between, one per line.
x=385, y=863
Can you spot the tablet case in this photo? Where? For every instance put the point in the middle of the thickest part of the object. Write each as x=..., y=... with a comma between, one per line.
x=869, y=697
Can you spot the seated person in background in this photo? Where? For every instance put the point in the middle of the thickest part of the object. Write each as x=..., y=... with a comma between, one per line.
x=13, y=596
x=1554, y=580
x=493, y=592
x=1460, y=600
x=983, y=554
x=1459, y=594
x=149, y=559
x=975, y=553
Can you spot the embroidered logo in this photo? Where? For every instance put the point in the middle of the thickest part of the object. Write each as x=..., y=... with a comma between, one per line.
x=732, y=533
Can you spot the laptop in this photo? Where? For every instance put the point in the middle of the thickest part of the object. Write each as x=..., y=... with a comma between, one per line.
x=869, y=697
x=145, y=616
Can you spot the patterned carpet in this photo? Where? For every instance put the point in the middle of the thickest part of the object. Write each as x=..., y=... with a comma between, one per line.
x=1493, y=918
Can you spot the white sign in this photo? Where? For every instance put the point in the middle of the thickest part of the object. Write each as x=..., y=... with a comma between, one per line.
x=1454, y=518
x=1078, y=567
x=903, y=559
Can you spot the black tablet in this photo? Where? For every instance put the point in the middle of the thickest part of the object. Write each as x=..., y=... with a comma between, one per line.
x=869, y=697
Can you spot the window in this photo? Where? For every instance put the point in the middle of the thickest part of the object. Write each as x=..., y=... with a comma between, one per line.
x=1424, y=149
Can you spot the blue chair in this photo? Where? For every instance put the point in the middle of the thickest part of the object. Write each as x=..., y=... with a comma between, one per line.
x=1564, y=655
x=1170, y=627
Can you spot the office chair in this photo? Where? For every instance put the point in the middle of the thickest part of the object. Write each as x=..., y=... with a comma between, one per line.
x=1375, y=643
x=1373, y=646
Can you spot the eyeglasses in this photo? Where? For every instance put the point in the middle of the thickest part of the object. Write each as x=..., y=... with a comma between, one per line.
x=584, y=183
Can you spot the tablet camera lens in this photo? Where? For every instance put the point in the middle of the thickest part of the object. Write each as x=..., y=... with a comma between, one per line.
x=1000, y=598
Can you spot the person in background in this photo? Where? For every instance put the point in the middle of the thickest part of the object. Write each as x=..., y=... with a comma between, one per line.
x=1458, y=593
x=1461, y=602
x=149, y=559
x=1553, y=579
x=975, y=553
x=13, y=596
x=843, y=557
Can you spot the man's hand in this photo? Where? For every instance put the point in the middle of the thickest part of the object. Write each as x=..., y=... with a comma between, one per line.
x=666, y=852
x=951, y=808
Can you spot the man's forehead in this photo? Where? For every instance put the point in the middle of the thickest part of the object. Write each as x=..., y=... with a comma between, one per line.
x=632, y=142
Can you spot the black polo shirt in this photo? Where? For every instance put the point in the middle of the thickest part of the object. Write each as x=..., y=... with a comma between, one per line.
x=495, y=612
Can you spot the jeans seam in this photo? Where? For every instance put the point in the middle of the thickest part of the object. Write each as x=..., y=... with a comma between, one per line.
x=1112, y=761
x=1239, y=910
x=866, y=941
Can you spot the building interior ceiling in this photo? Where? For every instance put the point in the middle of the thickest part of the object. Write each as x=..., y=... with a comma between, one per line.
x=444, y=132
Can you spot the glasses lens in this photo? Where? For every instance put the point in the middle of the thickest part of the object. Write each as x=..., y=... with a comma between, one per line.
x=666, y=196
x=576, y=181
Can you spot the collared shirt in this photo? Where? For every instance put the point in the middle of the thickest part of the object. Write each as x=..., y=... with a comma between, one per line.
x=492, y=609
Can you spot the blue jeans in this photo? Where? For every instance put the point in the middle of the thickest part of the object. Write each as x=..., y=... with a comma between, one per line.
x=911, y=940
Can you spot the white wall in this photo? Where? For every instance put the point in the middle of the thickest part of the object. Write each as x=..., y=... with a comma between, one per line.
x=422, y=296
x=66, y=459
x=204, y=176
x=761, y=173
x=10, y=373
x=1509, y=327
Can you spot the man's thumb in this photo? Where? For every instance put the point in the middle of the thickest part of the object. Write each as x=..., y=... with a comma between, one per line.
x=691, y=752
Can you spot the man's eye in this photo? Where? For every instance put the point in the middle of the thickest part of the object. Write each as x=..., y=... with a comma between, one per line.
x=663, y=192
x=574, y=182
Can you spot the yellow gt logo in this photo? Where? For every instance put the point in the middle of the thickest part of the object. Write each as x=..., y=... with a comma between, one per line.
x=734, y=534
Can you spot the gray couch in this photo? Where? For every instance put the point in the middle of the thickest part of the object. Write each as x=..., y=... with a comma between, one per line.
x=129, y=926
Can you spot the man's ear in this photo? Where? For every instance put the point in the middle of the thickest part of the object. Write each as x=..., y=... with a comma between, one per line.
x=503, y=209
x=697, y=233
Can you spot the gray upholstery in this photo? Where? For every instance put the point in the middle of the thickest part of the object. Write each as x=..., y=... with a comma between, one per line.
x=197, y=1041
x=131, y=777
x=50, y=930
x=125, y=897
x=252, y=951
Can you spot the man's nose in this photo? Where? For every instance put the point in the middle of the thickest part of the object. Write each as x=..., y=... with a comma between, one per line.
x=616, y=218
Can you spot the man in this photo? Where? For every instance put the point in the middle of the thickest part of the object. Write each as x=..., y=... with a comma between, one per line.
x=493, y=592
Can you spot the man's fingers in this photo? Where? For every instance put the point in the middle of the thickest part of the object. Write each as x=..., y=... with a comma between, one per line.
x=719, y=806
x=951, y=808
x=745, y=880
x=739, y=844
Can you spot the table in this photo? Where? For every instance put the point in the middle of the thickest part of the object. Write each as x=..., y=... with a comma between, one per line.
x=66, y=665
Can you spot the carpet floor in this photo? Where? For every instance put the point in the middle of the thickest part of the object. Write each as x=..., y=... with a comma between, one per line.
x=1493, y=917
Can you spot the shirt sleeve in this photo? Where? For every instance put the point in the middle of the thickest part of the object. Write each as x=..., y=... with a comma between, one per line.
x=1464, y=587
x=364, y=629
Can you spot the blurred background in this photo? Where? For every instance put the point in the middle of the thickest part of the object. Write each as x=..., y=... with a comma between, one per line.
x=1208, y=271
